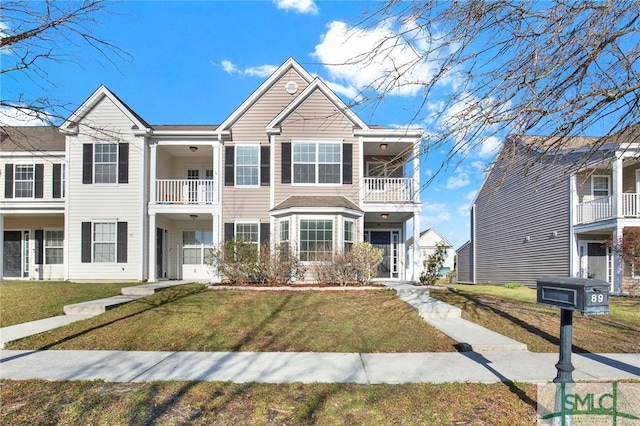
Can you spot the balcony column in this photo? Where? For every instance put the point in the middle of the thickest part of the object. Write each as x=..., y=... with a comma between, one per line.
x=416, y=173
x=153, y=173
x=416, y=248
x=152, y=248
x=617, y=185
x=618, y=264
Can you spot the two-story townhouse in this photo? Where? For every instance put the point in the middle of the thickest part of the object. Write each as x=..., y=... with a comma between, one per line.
x=32, y=207
x=541, y=213
x=292, y=164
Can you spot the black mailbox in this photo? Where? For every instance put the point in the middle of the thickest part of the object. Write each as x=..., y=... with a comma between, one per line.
x=586, y=295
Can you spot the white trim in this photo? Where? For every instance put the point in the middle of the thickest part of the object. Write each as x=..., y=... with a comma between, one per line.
x=316, y=163
x=608, y=185
x=235, y=163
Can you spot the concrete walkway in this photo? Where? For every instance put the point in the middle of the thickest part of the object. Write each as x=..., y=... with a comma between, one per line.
x=306, y=367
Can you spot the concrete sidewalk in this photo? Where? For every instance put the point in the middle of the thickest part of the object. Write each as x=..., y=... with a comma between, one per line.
x=289, y=367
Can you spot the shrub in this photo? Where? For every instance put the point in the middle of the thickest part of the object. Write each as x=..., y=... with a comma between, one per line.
x=360, y=264
x=433, y=264
x=366, y=259
x=513, y=285
x=236, y=260
x=278, y=266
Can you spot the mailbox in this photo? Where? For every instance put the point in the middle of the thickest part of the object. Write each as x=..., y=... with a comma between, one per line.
x=585, y=295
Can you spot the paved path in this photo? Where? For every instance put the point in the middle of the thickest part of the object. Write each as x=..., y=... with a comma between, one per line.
x=307, y=367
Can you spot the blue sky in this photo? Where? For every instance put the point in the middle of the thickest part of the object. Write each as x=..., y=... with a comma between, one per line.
x=195, y=62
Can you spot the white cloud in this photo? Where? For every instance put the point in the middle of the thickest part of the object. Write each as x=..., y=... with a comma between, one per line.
x=434, y=214
x=458, y=181
x=298, y=6
x=489, y=146
x=22, y=117
x=262, y=71
x=471, y=195
x=396, y=67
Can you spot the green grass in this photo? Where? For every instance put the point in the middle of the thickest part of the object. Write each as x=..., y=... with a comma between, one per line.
x=516, y=314
x=23, y=301
x=40, y=402
x=191, y=318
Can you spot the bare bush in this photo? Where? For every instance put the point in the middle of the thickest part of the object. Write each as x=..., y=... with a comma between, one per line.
x=236, y=260
x=278, y=266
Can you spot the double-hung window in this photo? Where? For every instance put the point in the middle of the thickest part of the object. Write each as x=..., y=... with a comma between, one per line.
x=316, y=239
x=248, y=232
x=24, y=178
x=600, y=186
x=247, y=165
x=195, y=245
x=349, y=234
x=315, y=163
x=105, y=163
x=53, y=247
x=104, y=242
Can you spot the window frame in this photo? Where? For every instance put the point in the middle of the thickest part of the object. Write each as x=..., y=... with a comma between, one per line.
x=207, y=242
x=593, y=187
x=48, y=248
x=244, y=223
x=237, y=167
x=304, y=254
x=316, y=162
x=114, y=163
x=32, y=180
x=113, y=242
x=347, y=244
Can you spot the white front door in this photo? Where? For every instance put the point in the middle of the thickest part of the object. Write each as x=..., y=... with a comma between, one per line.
x=595, y=260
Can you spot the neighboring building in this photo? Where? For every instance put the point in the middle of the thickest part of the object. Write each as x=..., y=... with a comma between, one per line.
x=544, y=212
x=109, y=196
x=427, y=245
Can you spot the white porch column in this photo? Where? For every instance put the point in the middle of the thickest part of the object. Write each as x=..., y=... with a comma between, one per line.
x=152, y=248
x=416, y=174
x=618, y=264
x=416, y=247
x=617, y=185
x=153, y=175
x=1, y=246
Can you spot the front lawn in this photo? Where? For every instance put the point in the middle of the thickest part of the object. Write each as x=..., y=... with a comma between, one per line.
x=198, y=403
x=191, y=318
x=23, y=301
x=515, y=313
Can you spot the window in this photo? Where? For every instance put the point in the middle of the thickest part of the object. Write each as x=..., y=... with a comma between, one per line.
x=104, y=242
x=24, y=180
x=316, y=239
x=105, y=163
x=53, y=247
x=600, y=186
x=195, y=245
x=349, y=234
x=248, y=232
x=284, y=234
x=317, y=163
x=247, y=165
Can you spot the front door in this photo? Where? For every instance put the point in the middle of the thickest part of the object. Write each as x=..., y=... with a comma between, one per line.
x=382, y=240
x=161, y=244
x=597, y=261
x=12, y=262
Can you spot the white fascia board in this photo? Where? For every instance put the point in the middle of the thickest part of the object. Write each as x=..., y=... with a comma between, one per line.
x=33, y=154
x=264, y=87
x=186, y=134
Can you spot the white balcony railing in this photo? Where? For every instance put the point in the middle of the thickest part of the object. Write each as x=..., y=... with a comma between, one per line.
x=184, y=191
x=604, y=208
x=388, y=190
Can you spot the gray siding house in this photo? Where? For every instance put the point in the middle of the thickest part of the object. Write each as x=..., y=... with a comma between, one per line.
x=541, y=213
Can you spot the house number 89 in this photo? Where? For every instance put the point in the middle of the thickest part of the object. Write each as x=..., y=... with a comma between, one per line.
x=597, y=298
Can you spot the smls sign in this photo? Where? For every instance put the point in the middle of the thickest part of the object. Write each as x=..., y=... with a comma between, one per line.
x=589, y=404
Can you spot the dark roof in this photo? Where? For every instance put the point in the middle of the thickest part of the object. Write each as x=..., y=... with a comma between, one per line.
x=326, y=201
x=31, y=138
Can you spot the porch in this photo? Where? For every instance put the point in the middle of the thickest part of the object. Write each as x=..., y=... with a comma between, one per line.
x=604, y=208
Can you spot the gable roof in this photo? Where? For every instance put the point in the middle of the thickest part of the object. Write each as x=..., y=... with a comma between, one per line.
x=316, y=85
x=423, y=233
x=102, y=92
x=31, y=138
x=263, y=88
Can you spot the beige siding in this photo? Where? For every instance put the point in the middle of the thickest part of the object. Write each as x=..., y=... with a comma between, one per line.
x=106, y=202
x=516, y=215
x=316, y=119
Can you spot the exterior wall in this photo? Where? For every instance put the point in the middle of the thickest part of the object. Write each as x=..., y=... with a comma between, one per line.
x=317, y=119
x=23, y=158
x=464, y=268
x=427, y=246
x=522, y=219
x=96, y=202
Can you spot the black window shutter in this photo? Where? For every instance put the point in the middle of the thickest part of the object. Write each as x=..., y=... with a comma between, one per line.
x=39, y=172
x=8, y=181
x=123, y=163
x=121, y=248
x=286, y=162
x=229, y=231
x=86, y=242
x=57, y=180
x=229, y=178
x=87, y=163
x=39, y=234
x=347, y=163
x=264, y=165
x=265, y=229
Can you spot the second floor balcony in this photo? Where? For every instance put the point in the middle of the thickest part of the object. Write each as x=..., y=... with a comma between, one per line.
x=185, y=191
x=604, y=208
x=389, y=190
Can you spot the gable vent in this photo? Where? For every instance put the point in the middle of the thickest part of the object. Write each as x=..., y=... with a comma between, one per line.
x=291, y=87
